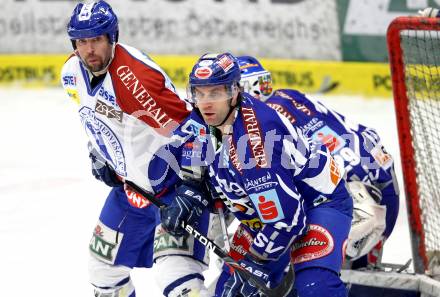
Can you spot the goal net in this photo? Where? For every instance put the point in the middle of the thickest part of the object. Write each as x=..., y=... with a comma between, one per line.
x=414, y=52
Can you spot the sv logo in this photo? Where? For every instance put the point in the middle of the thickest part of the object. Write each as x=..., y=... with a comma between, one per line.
x=261, y=241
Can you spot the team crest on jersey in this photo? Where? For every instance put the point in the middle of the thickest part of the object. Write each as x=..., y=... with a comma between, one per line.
x=329, y=138
x=315, y=244
x=106, y=140
x=255, y=136
x=268, y=206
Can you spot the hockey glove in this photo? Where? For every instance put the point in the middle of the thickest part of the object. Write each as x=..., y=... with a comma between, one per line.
x=369, y=219
x=187, y=207
x=267, y=271
x=101, y=170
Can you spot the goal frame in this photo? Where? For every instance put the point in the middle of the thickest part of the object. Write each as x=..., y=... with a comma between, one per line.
x=401, y=102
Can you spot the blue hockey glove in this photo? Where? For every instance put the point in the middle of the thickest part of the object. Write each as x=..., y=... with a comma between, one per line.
x=101, y=170
x=236, y=285
x=187, y=207
x=266, y=271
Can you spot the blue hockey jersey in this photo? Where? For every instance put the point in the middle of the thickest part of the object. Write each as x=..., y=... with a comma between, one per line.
x=356, y=148
x=269, y=175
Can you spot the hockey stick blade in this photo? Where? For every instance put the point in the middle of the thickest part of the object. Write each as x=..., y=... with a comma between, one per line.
x=280, y=291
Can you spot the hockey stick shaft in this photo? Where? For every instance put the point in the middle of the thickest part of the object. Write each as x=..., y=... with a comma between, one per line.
x=188, y=228
x=275, y=292
x=221, y=215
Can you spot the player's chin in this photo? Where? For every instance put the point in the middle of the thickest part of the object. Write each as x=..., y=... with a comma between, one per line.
x=95, y=67
x=210, y=119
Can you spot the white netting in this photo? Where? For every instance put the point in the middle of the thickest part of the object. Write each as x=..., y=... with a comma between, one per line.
x=421, y=55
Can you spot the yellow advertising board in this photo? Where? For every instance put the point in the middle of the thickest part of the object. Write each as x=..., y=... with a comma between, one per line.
x=336, y=78
x=31, y=70
x=339, y=78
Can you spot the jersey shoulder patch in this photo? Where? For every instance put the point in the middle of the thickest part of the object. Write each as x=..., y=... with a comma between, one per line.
x=69, y=77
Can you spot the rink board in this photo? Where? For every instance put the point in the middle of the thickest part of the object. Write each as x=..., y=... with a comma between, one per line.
x=389, y=284
x=311, y=77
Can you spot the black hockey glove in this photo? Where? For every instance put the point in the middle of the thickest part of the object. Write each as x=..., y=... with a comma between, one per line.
x=101, y=170
x=187, y=207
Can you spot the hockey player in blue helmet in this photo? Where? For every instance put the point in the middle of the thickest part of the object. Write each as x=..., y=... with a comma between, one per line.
x=287, y=192
x=96, y=24
x=356, y=148
x=126, y=130
x=218, y=86
x=255, y=80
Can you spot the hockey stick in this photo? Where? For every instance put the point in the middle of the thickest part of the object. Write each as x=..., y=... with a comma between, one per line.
x=281, y=290
x=221, y=215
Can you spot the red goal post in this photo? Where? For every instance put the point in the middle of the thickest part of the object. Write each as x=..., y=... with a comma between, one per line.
x=414, y=54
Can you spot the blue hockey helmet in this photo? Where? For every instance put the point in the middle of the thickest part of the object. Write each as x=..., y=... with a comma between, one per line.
x=255, y=80
x=93, y=19
x=214, y=70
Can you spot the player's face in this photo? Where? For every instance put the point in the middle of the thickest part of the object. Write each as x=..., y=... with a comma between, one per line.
x=213, y=103
x=95, y=52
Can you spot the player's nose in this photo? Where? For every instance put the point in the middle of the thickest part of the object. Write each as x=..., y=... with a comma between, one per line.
x=90, y=48
x=206, y=105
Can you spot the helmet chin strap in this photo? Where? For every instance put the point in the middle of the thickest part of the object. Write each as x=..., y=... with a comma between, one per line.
x=104, y=70
x=231, y=109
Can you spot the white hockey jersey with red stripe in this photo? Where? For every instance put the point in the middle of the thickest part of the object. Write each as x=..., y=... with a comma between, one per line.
x=130, y=114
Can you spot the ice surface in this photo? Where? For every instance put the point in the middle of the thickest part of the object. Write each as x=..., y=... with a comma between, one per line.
x=50, y=202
